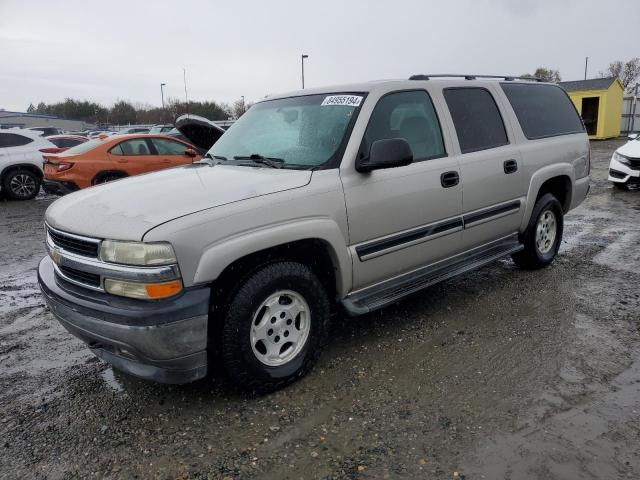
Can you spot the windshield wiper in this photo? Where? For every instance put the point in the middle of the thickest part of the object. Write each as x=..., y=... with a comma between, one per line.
x=272, y=162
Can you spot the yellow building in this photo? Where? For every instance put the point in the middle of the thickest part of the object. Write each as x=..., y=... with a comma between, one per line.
x=599, y=102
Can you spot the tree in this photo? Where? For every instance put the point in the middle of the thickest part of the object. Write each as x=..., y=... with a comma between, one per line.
x=31, y=108
x=123, y=113
x=627, y=72
x=239, y=108
x=546, y=74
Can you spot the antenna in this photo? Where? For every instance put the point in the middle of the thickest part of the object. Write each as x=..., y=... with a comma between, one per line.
x=184, y=78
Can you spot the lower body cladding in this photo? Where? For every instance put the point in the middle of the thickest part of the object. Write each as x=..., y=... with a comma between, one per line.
x=162, y=340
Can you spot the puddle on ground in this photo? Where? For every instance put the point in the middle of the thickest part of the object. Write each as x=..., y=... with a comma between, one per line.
x=111, y=381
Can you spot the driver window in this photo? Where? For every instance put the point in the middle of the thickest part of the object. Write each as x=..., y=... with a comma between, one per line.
x=409, y=115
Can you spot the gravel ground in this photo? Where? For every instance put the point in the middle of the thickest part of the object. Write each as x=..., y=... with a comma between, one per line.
x=501, y=373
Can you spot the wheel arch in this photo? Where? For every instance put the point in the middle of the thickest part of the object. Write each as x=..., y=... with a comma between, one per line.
x=555, y=179
x=318, y=243
x=24, y=166
x=102, y=173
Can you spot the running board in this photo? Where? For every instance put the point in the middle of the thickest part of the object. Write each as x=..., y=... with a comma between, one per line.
x=380, y=295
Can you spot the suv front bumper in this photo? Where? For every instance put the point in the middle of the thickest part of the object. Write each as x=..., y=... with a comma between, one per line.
x=164, y=340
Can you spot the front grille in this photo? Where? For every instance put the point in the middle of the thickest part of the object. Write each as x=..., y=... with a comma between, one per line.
x=81, y=277
x=73, y=244
x=634, y=163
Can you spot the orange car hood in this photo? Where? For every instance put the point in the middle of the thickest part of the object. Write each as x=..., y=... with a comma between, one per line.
x=126, y=209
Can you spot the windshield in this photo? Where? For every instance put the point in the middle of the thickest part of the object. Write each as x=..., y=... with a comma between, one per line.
x=301, y=131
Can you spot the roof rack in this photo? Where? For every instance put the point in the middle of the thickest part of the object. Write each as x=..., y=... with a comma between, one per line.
x=508, y=78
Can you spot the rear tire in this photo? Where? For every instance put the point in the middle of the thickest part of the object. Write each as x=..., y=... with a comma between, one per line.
x=21, y=184
x=275, y=327
x=543, y=235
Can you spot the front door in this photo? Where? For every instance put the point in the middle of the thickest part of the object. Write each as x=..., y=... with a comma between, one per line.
x=405, y=217
x=170, y=152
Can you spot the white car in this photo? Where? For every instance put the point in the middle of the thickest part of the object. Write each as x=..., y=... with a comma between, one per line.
x=625, y=163
x=21, y=162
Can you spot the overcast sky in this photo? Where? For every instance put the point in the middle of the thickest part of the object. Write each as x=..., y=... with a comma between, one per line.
x=114, y=49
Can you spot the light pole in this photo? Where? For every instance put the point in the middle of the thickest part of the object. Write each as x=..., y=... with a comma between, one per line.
x=303, y=56
x=162, y=95
x=586, y=65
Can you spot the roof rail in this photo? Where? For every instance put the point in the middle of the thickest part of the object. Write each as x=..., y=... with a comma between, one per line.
x=508, y=78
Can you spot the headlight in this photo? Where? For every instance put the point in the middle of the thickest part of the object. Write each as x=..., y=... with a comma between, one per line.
x=137, y=253
x=145, y=291
x=621, y=158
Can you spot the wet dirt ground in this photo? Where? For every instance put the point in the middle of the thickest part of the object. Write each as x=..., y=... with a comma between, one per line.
x=500, y=374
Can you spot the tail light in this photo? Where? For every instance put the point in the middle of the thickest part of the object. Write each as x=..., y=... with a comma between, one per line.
x=52, y=150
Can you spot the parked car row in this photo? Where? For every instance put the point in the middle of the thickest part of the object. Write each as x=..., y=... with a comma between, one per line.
x=63, y=163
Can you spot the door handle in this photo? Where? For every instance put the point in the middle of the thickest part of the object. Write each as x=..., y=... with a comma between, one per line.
x=449, y=179
x=510, y=166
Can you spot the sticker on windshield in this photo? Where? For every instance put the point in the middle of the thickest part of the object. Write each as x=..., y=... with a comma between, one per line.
x=345, y=100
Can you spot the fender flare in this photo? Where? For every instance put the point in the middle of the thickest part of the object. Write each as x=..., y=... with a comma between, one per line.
x=541, y=176
x=220, y=254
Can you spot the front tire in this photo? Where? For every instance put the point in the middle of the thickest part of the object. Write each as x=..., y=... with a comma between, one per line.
x=275, y=327
x=620, y=185
x=543, y=235
x=21, y=184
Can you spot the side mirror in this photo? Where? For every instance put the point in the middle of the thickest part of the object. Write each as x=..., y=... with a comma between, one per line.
x=386, y=153
x=190, y=152
x=633, y=136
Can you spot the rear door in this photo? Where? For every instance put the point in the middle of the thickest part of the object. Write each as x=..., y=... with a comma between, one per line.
x=490, y=163
x=135, y=156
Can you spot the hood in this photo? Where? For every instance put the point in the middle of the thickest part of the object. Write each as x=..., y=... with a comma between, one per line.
x=126, y=209
x=201, y=132
x=630, y=149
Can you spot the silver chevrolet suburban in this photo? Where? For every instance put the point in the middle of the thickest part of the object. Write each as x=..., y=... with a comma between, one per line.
x=341, y=199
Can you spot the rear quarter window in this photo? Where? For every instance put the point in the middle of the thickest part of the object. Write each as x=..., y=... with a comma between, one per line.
x=13, y=140
x=543, y=110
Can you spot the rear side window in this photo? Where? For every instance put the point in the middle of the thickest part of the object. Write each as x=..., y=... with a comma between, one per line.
x=543, y=110
x=13, y=140
x=477, y=119
x=409, y=115
x=137, y=146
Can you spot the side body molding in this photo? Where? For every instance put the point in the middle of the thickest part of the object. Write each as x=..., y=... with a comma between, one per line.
x=224, y=252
